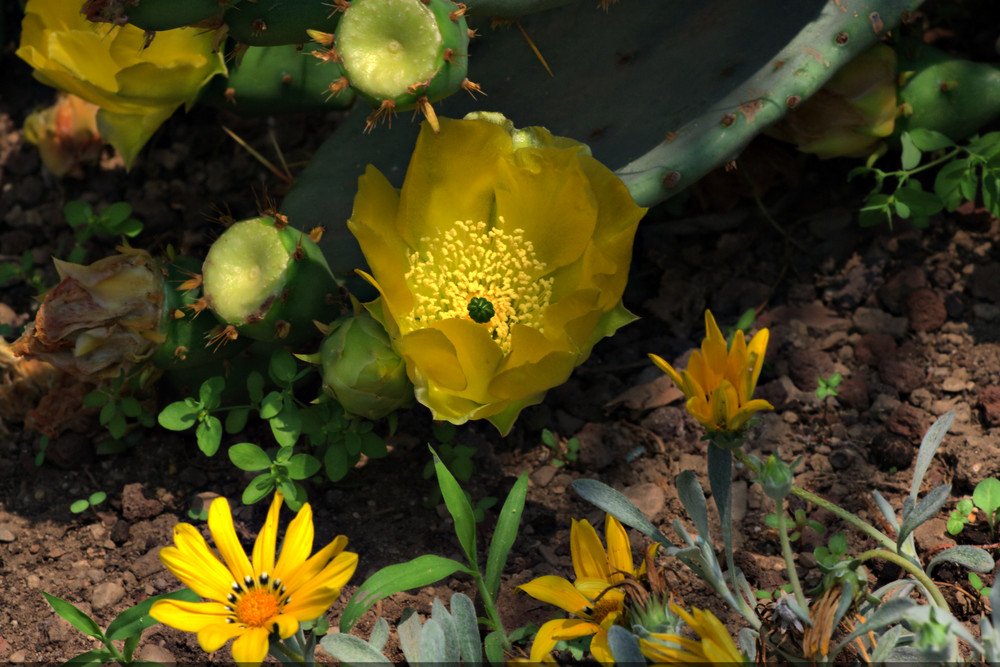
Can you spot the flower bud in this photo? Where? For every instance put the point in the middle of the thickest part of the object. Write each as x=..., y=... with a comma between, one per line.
x=776, y=477
x=361, y=370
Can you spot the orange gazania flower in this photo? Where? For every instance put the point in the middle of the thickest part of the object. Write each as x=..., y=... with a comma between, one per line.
x=720, y=379
x=250, y=600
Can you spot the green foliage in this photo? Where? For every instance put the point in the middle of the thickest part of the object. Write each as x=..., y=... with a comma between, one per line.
x=457, y=458
x=113, y=220
x=827, y=386
x=128, y=626
x=800, y=523
x=966, y=172
x=93, y=500
x=986, y=496
x=24, y=270
x=977, y=583
x=960, y=516
x=118, y=405
x=284, y=468
x=564, y=452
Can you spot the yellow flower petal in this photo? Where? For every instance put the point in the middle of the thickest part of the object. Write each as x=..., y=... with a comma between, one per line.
x=600, y=648
x=297, y=545
x=619, y=550
x=195, y=565
x=555, y=630
x=220, y=523
x=263, y=547
x=556, y=591
x=316, y=563
x=250, y=648
x=590, y=561
x=213, y=637
x=188, y=616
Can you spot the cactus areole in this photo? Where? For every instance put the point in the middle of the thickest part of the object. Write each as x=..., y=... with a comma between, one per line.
x=395, y=52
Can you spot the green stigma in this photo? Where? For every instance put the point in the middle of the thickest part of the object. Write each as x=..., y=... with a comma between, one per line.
x=481, y=310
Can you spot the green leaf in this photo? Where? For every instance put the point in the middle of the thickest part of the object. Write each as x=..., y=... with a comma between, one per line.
x=97, y=498
x=179, y=416
x=986, y=496
x=373, y=446
x=76, y=618
x=259, y=486
x=928, y=140
x=919, y=202
x=107, y=412
x=351, y=650
x=508, y=522
x=947, y=184
x=236, y=420
x=130, y=228
x=459, y=508
x=210, y=392
x=116, y=214
x=282, y=367
x=922, y=511
x=617, y=505
x=303, y=466
x=335, y=463
x=132, y=621
x=97, y=656
x=956, y=523
x=968, y=556
x=255, y=387
x=910, y=157
x=493, y=645
x=286, y=426
x=95, y=399
x=295, y=494
x=77, y=212
x=130, y=407
x=117, y=425
x=271, y=404
x=209, y=435
x=421, y=571
x=248, y=456
x=976, y=582
x=79, y=506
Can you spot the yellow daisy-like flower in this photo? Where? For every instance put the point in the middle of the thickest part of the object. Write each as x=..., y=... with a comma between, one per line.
x=249, y=600
x=592, y=598
x=713, y=645
x=719, y=380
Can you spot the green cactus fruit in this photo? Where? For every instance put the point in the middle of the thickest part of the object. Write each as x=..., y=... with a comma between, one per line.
x=278, y=79
x=270, y=281
x=849, y=116
x=403, y=54
x=948, y=95
x=276, y=22
x=190, y=336
x=361, y=370
x=155, y=14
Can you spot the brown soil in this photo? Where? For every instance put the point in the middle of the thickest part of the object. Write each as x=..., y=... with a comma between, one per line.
x=910, y=318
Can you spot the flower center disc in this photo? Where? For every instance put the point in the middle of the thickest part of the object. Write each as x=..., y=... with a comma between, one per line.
x=473, y=267
x=257, y=607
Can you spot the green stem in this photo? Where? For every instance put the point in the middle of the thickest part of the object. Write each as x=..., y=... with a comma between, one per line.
x=840, y=512
x=280, y=647
x=913, y=569
x=490, y=608
x=786, y=551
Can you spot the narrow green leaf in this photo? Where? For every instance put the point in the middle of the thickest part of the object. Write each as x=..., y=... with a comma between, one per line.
x=351, y=650
x=968, y=556
x=463, y=610
x=459, y=508
x=928, y=447
x=250, y=457
x=76, y=618
x=421, y=571
x=693, y=498
x=617, y=505
x=504, y=534
x=97, y=656
x=922, y=511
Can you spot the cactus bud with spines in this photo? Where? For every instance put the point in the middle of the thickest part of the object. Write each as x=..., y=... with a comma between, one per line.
x=269, y=281
x=361, y=370
x=402, y=54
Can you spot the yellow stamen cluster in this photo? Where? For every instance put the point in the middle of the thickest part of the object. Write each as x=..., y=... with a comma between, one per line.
x=470, y=261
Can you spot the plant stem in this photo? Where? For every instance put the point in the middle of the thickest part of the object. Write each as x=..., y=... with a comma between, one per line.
x=840, y=512
x=914, y=570
x=786, y=551
x=279, y=647
x=490, y=608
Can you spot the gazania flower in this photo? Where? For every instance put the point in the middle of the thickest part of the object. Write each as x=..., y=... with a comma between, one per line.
x=713, y=645
x=593, y=598
x=251, y=599
x=500, y=263
x=719, y=380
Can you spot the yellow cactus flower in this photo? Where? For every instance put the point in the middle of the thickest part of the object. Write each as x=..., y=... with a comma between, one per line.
x=251, y=599
x=714, y=644
x=500, y=263
x=136, y=85
x=720, y=380
x=593, y=598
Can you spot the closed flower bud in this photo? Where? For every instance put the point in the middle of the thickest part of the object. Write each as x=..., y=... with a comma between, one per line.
x=776, y=477
x=361, y=370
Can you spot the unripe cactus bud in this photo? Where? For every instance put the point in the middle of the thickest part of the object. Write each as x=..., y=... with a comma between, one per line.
x=361, y=370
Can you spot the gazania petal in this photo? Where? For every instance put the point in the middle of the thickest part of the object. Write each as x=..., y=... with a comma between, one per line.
x=590, y=561
x=669, y=370
x=202, y=581
x=556, y=591
x=220, y=522
x=601, y=649
x=298, y=542
x=250, y=648
x=555, y=630
x=745, y=413
x=619, y=549
x=188, y=616
x=263, y=547
x=287, y=624
x=213, y=637
x=314, y=565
